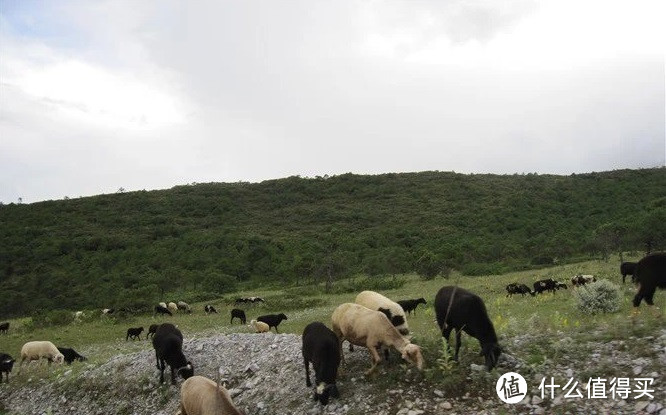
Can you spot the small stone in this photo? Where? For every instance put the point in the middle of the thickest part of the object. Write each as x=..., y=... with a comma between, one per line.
x=651, y=408
x=641, y=405
x=570, y=373
x=438, y=393
x=539, y=411
x=637, y=370
x=536, y=400
x=446, y=405
x=476, y=368
x=403, y=411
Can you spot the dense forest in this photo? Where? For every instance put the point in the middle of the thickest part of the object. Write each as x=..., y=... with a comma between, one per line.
x=131, y=249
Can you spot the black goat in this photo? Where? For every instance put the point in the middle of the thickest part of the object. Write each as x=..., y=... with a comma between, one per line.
x=168, y=345
x=459, y=309
x=628, y=268
x=515, y=288
x=6, y=365
x=321, y=347
x=410, y=305
x=71, y=355
x=580, y=280
x=162, y=310
x=134, y=332
x=238, y=313
x=273, y=320
x=210, y=309
x=650, y=274
x=4, y=327
x=151, y=330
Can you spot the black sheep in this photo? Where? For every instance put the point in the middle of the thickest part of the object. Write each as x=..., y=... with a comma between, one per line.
x=628, y=268
x=168, y=345
x=273, y=320
x=162, y=310
x=321, y=347
x=6, y=365
x=134, y=332
x=210, y=309
x=650, y=274
x=151, y=330
x=410, y=305
x=237, y=313
x=548, y=284
x=71, y=355
x=459, y=309
x=4, y=327
x=516, y=288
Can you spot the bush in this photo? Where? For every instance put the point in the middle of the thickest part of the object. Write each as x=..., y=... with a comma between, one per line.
x=42, y=319
x=598, y=297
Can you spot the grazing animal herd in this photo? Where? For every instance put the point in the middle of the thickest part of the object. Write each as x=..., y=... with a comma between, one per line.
x=372, y=321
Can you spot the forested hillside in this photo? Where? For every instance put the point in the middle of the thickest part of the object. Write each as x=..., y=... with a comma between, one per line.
x=130, y=249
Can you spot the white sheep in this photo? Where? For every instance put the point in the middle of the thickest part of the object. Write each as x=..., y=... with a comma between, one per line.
x=163, y=304
x=36, y=350
x=78, y=315
x=173, y=307
x=202, y=396
x=372, y=329
x=260, y=326
x=182, y=305
x=392, y=310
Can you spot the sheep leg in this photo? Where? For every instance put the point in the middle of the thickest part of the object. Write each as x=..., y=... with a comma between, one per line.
x=307, y=372
x=458, y=334
x=375, y=360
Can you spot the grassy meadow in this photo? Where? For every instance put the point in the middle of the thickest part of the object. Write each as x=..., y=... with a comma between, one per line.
x=547, y=316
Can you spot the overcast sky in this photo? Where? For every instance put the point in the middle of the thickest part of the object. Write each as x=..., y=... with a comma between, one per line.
x=99, y=95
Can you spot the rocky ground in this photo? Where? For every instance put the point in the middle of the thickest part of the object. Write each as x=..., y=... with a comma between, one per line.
x=264, y=374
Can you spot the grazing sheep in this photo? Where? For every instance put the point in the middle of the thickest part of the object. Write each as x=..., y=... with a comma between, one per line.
x=241, y=300
x=151, y=330
x=162, y=310
x=134, y=332
x=173, y=307
x=210, y=309
x=516, y=288
x=395, y=313
x=108, y=310
x=6, y=365
x=548, y=284
x=168, y=345
x=372, y=329
x=273, y=320
x=459, y=309
x=71, y=355
x=184, y=307
x=410, y=305
x=4, y=327
x=238, y=313
x=162, y=304
x=36, y=350
x=202, y=396
x=79, y=315
x=256, y=299
x=560, y=286
x=260, y=326
x=580, y=280
x=321, y=347
x=650, y=274
x=628, y=268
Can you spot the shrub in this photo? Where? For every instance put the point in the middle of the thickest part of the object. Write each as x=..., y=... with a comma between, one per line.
x=598, y=297
x=42, y=319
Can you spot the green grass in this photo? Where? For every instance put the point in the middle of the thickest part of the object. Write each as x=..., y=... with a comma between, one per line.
x=550, y=317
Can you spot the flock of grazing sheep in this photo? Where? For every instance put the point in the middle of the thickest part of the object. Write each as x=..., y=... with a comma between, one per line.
x=372, y=321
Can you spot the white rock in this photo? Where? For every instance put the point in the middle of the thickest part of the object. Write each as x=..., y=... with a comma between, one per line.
x=445, y=405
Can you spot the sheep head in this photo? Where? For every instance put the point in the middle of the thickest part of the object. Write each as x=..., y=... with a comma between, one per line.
x=186, y=371
x=492, y=352
x=412, y=354
x=59, y=358
x=324, y=391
